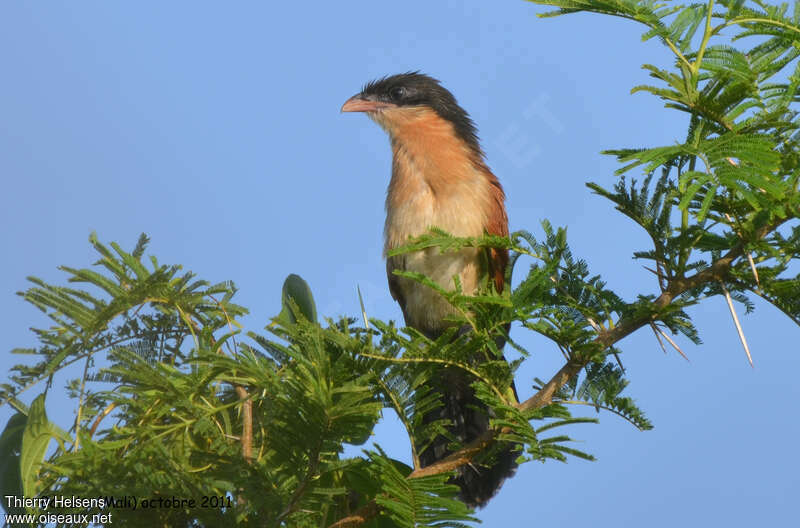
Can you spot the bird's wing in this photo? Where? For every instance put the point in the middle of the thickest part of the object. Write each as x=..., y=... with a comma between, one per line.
x=497, y=224
x=393, y=263
x=498, y=260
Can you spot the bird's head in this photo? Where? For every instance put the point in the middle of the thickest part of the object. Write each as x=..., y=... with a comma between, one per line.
x=407, y=98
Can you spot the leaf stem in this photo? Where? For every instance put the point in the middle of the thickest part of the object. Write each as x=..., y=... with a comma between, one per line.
x=706, y=36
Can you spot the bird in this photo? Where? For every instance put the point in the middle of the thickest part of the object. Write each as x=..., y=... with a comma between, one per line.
x=440, y=179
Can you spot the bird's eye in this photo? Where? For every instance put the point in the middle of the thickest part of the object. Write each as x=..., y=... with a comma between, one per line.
x=397, y=92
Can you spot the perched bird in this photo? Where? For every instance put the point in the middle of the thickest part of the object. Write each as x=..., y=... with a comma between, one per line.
x=439, y=178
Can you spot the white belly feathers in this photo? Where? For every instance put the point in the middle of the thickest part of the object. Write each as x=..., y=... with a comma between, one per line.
x=412, y=209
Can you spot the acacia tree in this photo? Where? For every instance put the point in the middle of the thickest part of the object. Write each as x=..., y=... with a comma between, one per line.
x=175, y=402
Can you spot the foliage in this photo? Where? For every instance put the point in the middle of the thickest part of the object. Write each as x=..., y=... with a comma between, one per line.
x=174, y=402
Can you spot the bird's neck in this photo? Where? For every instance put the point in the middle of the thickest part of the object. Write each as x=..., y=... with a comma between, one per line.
x=437, y=180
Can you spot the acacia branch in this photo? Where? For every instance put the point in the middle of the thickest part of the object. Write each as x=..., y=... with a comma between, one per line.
x=544, y=396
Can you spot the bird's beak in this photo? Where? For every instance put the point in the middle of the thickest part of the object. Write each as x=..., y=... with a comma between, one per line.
x=361, y=103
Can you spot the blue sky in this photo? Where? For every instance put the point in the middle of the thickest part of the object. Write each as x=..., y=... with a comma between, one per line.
x=215, y=128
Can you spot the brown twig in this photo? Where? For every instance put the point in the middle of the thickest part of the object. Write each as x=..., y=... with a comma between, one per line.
x=247, y=423
x=358, y=518
x=100, y=417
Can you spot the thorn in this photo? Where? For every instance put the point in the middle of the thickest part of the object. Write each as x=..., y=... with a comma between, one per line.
x=654, y=272
x=660, y=275
x=660, y=341
x=671, y=342
x=597, y=327
x=753, y=267
x=750, y=260
x=662, y=280
x=363, y=311
x=619, y=362
x=736, y=322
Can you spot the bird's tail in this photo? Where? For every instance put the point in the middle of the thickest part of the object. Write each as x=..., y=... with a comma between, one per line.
x=469, y=419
